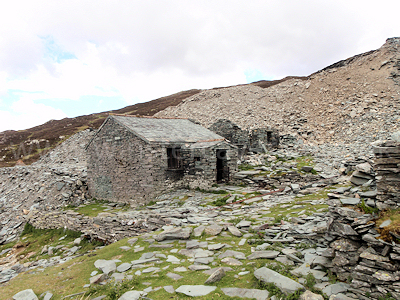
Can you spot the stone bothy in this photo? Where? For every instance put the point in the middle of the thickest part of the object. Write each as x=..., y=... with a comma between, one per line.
x=134, y=159
x=257, y=140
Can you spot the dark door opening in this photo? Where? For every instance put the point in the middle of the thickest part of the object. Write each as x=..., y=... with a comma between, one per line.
x=222, y=166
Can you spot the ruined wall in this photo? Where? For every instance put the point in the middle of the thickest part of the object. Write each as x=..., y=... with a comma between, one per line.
x=387, y=166
x=257, y=140
x=200, y=164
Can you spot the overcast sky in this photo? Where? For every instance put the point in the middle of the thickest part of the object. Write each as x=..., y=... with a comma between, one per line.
x=68, y=58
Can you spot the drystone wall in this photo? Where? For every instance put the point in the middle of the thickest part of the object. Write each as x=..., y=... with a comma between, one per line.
x=106, y=227
x=256, y=140
x=387, y=165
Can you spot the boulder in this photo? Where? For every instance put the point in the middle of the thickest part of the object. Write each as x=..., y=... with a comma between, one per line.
x=174, y=234
x=25, y=295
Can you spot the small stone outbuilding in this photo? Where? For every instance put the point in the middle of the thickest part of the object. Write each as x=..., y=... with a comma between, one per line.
x=257, y=140
x=134, y=159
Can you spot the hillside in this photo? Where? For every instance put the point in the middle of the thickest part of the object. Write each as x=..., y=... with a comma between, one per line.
x=356, y=99
x=28, y=145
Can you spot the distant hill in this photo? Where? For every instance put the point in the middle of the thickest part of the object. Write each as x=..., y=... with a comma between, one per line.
x=27, y=145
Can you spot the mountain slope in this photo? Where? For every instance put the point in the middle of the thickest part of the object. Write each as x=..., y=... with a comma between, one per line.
x=28, y=145
x=356, y=99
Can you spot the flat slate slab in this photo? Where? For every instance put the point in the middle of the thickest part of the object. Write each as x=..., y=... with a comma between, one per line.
x=195, y=290
x=285, y=284
x=350, y=201
x=106, y=266
x=131, y=295
x=174, y=234
x=246, y=293
x=263, y=254
x=25, y=295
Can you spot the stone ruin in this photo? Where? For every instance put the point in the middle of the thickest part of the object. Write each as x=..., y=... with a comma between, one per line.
x=361, y=252
x=256, y=140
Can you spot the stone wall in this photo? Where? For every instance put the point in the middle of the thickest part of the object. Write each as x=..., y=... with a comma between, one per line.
x=387, y=165
x=107, y=228
x=122, y=167
x=257, y=140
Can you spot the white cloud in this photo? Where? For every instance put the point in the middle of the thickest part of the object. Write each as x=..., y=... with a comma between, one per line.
x=25, y=114
x=141, y=50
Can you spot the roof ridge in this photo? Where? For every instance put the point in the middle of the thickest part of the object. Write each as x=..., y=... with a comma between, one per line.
x=146, y=117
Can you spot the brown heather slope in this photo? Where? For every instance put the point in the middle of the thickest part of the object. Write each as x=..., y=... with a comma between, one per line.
x=28, y=145
x=354, y=100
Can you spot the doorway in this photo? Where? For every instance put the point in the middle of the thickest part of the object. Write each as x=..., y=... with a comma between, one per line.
x=222, y=166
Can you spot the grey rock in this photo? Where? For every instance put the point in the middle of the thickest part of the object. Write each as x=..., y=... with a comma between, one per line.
x=263, y=254
x=132, y=241
x=246, y=293
x=97, y=278
x=213, y=247
x=192, y=244
x=125, y=248
x=211, y=271
x=195, y=290
x=350, y=201
x=231, y=261
x=118, y=277
x=47, y=296
x=124, y=267
x=345, y=245
x=285, y=284
x=234, y=231
x=173, y=259
x=232, y=253
x=198, y=231
x=385, y=223
x=174, y=234
x=216, y=276
x=25, y=295
x=213, y=229
x=106, y=266
x=174, y=276
x=198, y=267
x=304, y=269
x=131, y=295
x=169, y=289
x=369, y=194
x=340, y=296
x=243, y=223
x=308, y=295
x=203, y=260
x=364, y=167
x=336, y=288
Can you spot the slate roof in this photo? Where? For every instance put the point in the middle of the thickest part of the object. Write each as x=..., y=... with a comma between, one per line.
x=167, y=130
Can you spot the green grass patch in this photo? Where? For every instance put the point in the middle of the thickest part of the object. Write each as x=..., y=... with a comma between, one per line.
x=245, y=167
x=211, y=191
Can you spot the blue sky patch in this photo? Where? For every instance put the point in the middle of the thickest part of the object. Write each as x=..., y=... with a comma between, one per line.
x=54, y=51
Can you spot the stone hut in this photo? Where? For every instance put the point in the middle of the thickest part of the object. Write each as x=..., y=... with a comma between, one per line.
x=257, y=140
x=134, y=159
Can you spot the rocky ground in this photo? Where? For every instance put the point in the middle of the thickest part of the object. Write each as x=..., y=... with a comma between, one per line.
x=287, y=217
x=299, y=222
